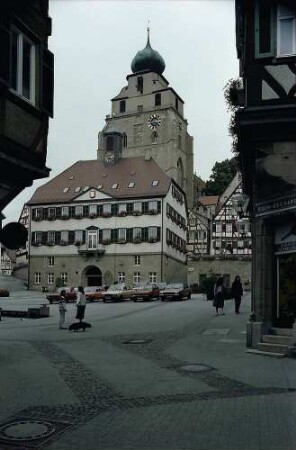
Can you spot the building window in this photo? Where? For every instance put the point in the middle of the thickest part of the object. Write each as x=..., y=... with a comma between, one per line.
x=92, y=210
x=218, y=228
x=157, y=99
x=121, y=277
x=137, y=234
x=121, y=235
x=37, y=277
x=229, y=228
x=122, y=106
x=137, y=277
x=264, y=29
x=50, y=278
x=92, y=239
x=152, y=277
x=64, y=278
x=78, y=237
x=176, y=103
x=106, y=236
x=78, y=211
x=140, y=84
x=137, y=260
x=286, y=31
x=152, y=207
x=23, y=66
x=107, y=209
x=110, y=143
x=37, y=238
x=77, y=189
x=50, y=237
x=152, y=234
x=154, y=137
x=65, y=212
x=37, y=214
x=122, y=211
x=64, y=237
x=138, y=207
x=50, y=261
x=124, y=140
x=51, y=213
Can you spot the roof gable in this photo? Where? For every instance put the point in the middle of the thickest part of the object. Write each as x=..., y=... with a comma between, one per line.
x=92, y=194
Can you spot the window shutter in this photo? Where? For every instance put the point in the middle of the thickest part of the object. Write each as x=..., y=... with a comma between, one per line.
x=5, y=56
x=71, y=237
x=47, y=81
x=158, y=233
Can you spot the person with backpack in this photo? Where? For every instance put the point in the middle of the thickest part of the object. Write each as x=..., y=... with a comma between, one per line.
x=219, y=294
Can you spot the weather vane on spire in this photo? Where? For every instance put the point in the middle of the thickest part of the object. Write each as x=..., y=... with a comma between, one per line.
x=148, y=30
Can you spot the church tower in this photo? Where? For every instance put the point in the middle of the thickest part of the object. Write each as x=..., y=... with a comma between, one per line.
x=147, y=119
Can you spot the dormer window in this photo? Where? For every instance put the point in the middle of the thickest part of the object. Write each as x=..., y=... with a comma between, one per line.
x=155, y=183
x=65, y=190
x=140, y=84
x=131, y=184
x=157, y=99
x=77, y=189
x=122, y=106
x=114, y=186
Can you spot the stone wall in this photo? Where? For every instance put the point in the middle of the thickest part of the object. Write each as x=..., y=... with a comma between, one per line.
x=228, y=267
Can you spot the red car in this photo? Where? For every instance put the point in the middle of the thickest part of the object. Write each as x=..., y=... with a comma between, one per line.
x=146, y=293
x=70, y=295
x=93, y=293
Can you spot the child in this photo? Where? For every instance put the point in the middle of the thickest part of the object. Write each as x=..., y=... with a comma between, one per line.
x=62, y=309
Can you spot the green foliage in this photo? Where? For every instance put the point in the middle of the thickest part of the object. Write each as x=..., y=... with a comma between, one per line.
x=59, y=282
x=222, y=174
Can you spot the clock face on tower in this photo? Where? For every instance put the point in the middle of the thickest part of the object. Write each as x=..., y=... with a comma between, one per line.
x=109, y=157
x=154, y=121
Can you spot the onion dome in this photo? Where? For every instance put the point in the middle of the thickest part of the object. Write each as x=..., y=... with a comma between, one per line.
x=148, y=59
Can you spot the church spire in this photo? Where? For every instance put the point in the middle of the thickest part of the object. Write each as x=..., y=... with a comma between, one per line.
x=148, y=59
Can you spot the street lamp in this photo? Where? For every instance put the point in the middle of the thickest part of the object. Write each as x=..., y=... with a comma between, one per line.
x=240, y=203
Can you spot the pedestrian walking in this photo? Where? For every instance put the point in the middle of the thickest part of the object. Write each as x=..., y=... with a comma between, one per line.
x=62, y=309
x=219, y=294
x=80, y=303
x=237, y=292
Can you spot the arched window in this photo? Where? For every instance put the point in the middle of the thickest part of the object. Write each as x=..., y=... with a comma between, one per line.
x=180, y=173
x=154, y=137
x=124, y=140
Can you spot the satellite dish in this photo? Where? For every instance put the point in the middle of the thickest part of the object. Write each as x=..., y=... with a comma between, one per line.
x=14, y=235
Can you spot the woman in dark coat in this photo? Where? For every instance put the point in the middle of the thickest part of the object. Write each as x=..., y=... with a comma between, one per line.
x=219, y=293
x=237, y=292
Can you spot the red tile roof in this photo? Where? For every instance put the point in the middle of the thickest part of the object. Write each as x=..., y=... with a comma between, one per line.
x=94, y=173
x=209, y=200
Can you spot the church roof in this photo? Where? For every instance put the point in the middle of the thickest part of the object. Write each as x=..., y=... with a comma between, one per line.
x=148, y=59
x=93, y=173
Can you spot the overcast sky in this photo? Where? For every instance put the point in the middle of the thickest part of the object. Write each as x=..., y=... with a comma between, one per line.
x=94, y=43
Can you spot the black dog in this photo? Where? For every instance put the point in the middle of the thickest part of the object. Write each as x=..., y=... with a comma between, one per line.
x=79, y=326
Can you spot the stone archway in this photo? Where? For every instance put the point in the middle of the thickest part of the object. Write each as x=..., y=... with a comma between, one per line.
x=93, y=276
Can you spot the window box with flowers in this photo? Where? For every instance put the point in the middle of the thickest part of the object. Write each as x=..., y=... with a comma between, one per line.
x=152, y=240
x=137, y=213
x=36, y=244
x=121, y=241
x=122, y=213
x=137, y=240
x=106, y=241
x=78, y=243
x=50, y=244
x=64, y=243
x=152, y=211
x=106, y=214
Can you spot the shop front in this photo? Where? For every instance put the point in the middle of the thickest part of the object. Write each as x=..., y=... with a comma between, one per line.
x=285, y=252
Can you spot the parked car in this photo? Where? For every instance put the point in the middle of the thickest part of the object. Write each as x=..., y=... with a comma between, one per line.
x=70, y=295
x=146, y=292
x=175, y=291
x=117, y=293
x=93, y=293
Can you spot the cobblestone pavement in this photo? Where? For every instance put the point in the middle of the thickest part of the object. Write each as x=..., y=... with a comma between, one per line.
x=103, y=389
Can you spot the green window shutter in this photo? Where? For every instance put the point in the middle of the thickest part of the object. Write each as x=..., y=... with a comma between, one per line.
x=265, y=29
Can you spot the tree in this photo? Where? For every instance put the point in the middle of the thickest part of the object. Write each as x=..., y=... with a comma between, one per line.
x=222, y=174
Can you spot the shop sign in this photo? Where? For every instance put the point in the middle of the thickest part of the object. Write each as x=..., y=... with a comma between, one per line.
x=276, y=206
x=285, y=238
